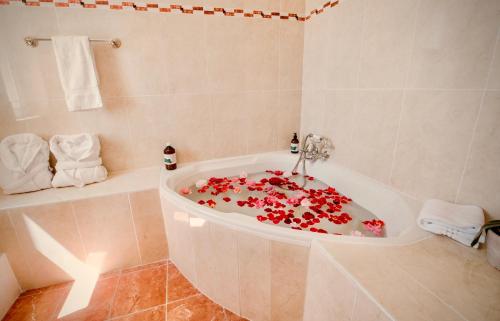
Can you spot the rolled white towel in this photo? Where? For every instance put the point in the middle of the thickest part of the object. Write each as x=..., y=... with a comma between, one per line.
x=460, y=222
x=24, y=165
x=78, y=161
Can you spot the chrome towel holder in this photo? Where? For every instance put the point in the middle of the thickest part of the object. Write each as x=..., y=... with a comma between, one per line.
x=33, y=42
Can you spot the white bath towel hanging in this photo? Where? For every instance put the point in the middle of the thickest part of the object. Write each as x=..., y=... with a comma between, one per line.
x=78, y=160
x=460, y=222
x=24, y=165
x=77, y=72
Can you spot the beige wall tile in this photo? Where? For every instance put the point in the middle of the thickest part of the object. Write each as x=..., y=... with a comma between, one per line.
x=315, y=53
x=150, y=121
x=329, y=293
x=288, y=280
x=345, y=23
x=340, y=119
x=375, y=131
x=481, y=181
x=454, y=43
x=436, y=128
x=387, y=42
x=58, y=221
x=494, y=72
x=263, y=113
x=139, y=66
x=191, y=130
x=230, y=117
x=288, y=121
x=106, y=225
x=34, y=70
x=254, y=264
x=110, y=124
x=149, y=227
x=205, y=262
x=293, y=6
x=185, y=55
x=367, y=310
x=291, y=49
x=313, y=112
x=225, y=253
x=9, y=244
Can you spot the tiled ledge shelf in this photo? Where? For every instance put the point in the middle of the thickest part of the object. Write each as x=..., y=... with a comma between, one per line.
x=117, y=182
x=172, y=8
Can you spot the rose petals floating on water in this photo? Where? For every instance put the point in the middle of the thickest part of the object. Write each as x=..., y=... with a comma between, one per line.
x=305, y=202
x=185, y=191
x=278, y=206
x=201, y=183
x=374, y=226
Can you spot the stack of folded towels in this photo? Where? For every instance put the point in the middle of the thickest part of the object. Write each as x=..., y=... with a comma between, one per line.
x=78, y=161
x=459, y=222
x=24, y=162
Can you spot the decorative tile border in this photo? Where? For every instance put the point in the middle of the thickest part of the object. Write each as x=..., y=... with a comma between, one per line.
x=173, y=8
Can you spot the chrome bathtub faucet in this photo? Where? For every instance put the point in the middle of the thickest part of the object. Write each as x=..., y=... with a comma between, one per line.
x=313, y=147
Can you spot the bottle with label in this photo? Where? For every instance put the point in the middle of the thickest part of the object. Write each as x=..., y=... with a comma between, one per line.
x=169, y=157
x=294, y=145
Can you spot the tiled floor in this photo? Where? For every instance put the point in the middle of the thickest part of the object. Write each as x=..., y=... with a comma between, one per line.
x=154, y=292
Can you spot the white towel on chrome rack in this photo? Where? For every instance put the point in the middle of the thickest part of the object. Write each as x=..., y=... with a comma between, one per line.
x=78, y=160
x=460, y=222
x=77, y=72
x=24, y=165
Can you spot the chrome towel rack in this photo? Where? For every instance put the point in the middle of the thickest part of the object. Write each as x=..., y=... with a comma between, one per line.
x=33, y=42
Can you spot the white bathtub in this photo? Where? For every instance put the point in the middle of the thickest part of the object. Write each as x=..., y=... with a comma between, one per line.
x=239, y=262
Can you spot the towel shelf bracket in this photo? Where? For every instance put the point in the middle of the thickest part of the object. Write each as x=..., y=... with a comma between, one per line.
x=33, y=42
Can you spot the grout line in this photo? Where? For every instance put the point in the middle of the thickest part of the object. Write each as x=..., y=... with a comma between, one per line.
x=78, y=231
x=114, y=295
x=140, y=311
x=134, y=228
x=476, y=122
x=21, y=247
x=405, y=91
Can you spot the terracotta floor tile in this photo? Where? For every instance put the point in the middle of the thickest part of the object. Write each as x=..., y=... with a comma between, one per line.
x=42, y=306
x=100, y=303
x=195, y=308
x=178, y=286
x=140, y=290
x=230, y=316
x=155, y=314
x=146, y=266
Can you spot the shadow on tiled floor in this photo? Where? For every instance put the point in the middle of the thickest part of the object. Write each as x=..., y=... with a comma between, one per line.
x=153, y=292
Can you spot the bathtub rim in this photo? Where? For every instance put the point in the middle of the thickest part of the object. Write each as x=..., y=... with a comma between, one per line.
x=241, y=222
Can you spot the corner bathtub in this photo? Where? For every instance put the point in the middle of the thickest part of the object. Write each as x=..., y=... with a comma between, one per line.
x=255, y=269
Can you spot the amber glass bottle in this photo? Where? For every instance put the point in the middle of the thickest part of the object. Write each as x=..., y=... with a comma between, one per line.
x=169, y=157
x=294, y=145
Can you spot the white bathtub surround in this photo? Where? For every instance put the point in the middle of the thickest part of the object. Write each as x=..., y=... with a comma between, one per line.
x=78, y=160
x=460, y=222
x=77, y=72
x=254, y=269
x=8, y=284
x=24, y=165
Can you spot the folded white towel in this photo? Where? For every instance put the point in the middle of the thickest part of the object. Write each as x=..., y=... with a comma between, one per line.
x=460, y=222
x=77, y=72
x=24, y=165
x=78, y=161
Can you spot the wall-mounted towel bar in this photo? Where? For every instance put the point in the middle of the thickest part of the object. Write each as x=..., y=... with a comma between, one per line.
x=33, y=42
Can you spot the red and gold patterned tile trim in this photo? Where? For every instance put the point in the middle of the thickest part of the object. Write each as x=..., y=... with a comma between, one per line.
x=155, y=7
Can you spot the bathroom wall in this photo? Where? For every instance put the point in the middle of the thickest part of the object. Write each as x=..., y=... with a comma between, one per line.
x=409, y=92
x=212, y=85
